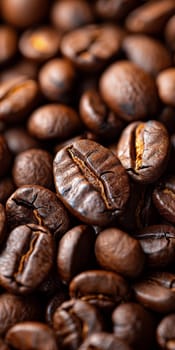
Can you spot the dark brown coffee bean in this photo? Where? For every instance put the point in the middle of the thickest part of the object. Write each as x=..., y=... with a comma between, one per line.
x=5, y=156
x=14, y=309
x=150, y=18
x=24, y=68
x=75, y=252
x=115, y=250
x=97, y=117
x=38, y=205
x=156, y=292
x=101, y=288
x=31, y=335
x=67, y=15
x=129, y=91
x=166, y=86
x=114, y=9
x=163, y=197
x=73, y=321
x=103, y=341
x=54, y=121
x=17, y=97
x=23, y=13
x=8, y=43
x=33, y=167
x=7, y=187
x=158, y=244
x=57, y=80
x=28, y=247
x=147, y=53
x=90, y=47
x=133, y=324
x=143, y=150
x=39, y=44
x=87, y=175
x=165, y=333
x=19, y=140
x=170, y=33
x=3, y=223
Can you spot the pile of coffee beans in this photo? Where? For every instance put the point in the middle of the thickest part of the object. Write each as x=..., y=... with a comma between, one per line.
x=87, y=174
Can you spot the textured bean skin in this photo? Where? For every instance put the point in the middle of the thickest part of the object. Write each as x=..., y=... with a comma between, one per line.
x=129, y=91
x=88, y=175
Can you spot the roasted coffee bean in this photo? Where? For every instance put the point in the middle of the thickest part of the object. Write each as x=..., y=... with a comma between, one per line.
x=158, y=244
x=129, y=91
x=67, y=15
x=3, y=223
x=147, y=53
x=170, y=33
x=90, y=47
x=97, y=117
x=31, y=335
x=19, y=140
x=114, y=9
x=26, y=259
x=34, y=167
x=8, y=43
x=38, y=205
x=73, y=321
x=104, y=289
x=14, y=309
x=150, y=18
x=54, y=121
x=24, y=68
x=40, y=44
x=75, y=252
x=23, y=13
x=133, y=324
x=5, y=156
x=115, y=250
x=143, y=150
x=156, y=292
x=166, y=86
x=57, y=80
x=17, y=98
x=54, y=304
x=103, y=341
x=165, y=333
x=163, y=198
x=87, y=175
x=7, y=187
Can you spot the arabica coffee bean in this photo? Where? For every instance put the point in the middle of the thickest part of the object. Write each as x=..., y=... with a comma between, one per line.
x=27, y=248
x=163, y=197
x=97, y=117
x=166, y=84
x=67, y=15
x=33, y=166
x=8, y=43
x=87, y=175
x=40, y=44
x=37, y=205
x=5, y=156
x=31, y=335
x=114, y=9
x=165, y=333
x=103, y=341
x=54, y=121
x=75, y=252
x=19, y=140
x=129, y=91
x=133, y=324
x=90, y=47
x=73, y=321
x=115, y=250
x=147, y=53
x=143, y=150
x=104, y=289
x=57, y=80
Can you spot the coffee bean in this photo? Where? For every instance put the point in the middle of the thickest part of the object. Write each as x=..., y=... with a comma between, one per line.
x=166, y=84
x=143, y=150
x=163, y=198
x=103, y=341
x=33, y=166
x=129, y=91
x=19, y=140
x=37, y=205
x=90, y=47
x=40, y=44
x=165, y=333
x=87, y=175
x=8, y=43
x=54, y=121
x=31, y=335
x=104, y=289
